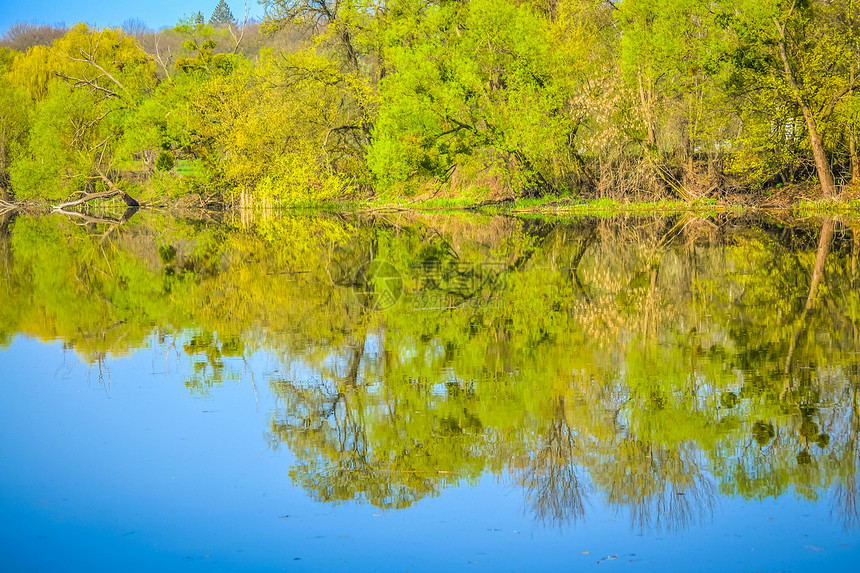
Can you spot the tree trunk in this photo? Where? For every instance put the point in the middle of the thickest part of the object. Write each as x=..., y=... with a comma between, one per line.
x=647, y=116
x=821, y=167
x=855, y=161
x=817, y=274
x=852, y=137
x=126, y=198
x=828, y=187
x=349, y=51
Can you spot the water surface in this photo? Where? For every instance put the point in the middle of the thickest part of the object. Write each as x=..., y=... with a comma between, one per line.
x=429, y=392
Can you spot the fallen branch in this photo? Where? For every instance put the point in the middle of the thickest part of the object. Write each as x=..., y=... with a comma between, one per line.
x=113, y=224
x=8, y=208
x=114, y=192
x=89, y=219
x=129, y=200
x=89, y=197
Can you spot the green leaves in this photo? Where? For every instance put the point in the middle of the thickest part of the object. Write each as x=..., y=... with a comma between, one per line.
x=60, y=141
x=473, y=84
x=222, y=14
x=789, y=70
x=530, y=98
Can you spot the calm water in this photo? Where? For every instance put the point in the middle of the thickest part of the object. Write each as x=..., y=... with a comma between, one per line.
x=429, y=392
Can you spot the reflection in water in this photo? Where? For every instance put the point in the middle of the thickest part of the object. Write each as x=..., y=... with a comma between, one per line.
x=554, y=484
x=651, y=363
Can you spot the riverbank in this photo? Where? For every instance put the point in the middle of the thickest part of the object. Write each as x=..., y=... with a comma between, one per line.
x=568, y=206
x=790, y=200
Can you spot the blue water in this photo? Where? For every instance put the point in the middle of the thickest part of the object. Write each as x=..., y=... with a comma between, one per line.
x=132, y=472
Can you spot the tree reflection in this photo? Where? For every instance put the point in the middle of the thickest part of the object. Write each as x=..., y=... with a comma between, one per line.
x=649, y=362
x=657, y=488
x=555, y=486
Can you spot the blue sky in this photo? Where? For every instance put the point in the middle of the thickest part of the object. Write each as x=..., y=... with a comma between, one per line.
x=103, y=13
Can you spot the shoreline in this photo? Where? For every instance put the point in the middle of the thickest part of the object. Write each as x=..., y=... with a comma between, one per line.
x=548, y=206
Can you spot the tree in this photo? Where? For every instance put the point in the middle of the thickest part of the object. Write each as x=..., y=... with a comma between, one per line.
x=222, y=14
x=22, y=36
x=85, y=85
x=480, y=83
x=279, y=129
x=14, y=125
x=796, y=54
x=135, y=27
x=662, y=51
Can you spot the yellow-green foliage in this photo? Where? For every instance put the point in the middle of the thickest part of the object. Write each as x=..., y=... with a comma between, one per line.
x=15, y=118
x=56, y=147
x=299, y=175
x=530, y=98
x=34, y=70
x=509, y=337
x=277, y=127
x=83, y=86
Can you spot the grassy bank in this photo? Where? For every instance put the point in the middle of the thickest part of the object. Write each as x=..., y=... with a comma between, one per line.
x=545, y=206
x=565, y=206
x=827, y=207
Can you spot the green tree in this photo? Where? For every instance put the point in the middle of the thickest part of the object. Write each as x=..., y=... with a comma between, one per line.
x=221, y=15
x=795, y=55
x=85, y=86
x=478, y=83
x=15, y=110
x=664, y=52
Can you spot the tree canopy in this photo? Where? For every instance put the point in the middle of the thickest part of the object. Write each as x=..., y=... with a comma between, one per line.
x=485, y=100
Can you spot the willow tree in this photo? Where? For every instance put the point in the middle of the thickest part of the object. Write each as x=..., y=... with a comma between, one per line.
x=84, y=87
x=14, y=125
